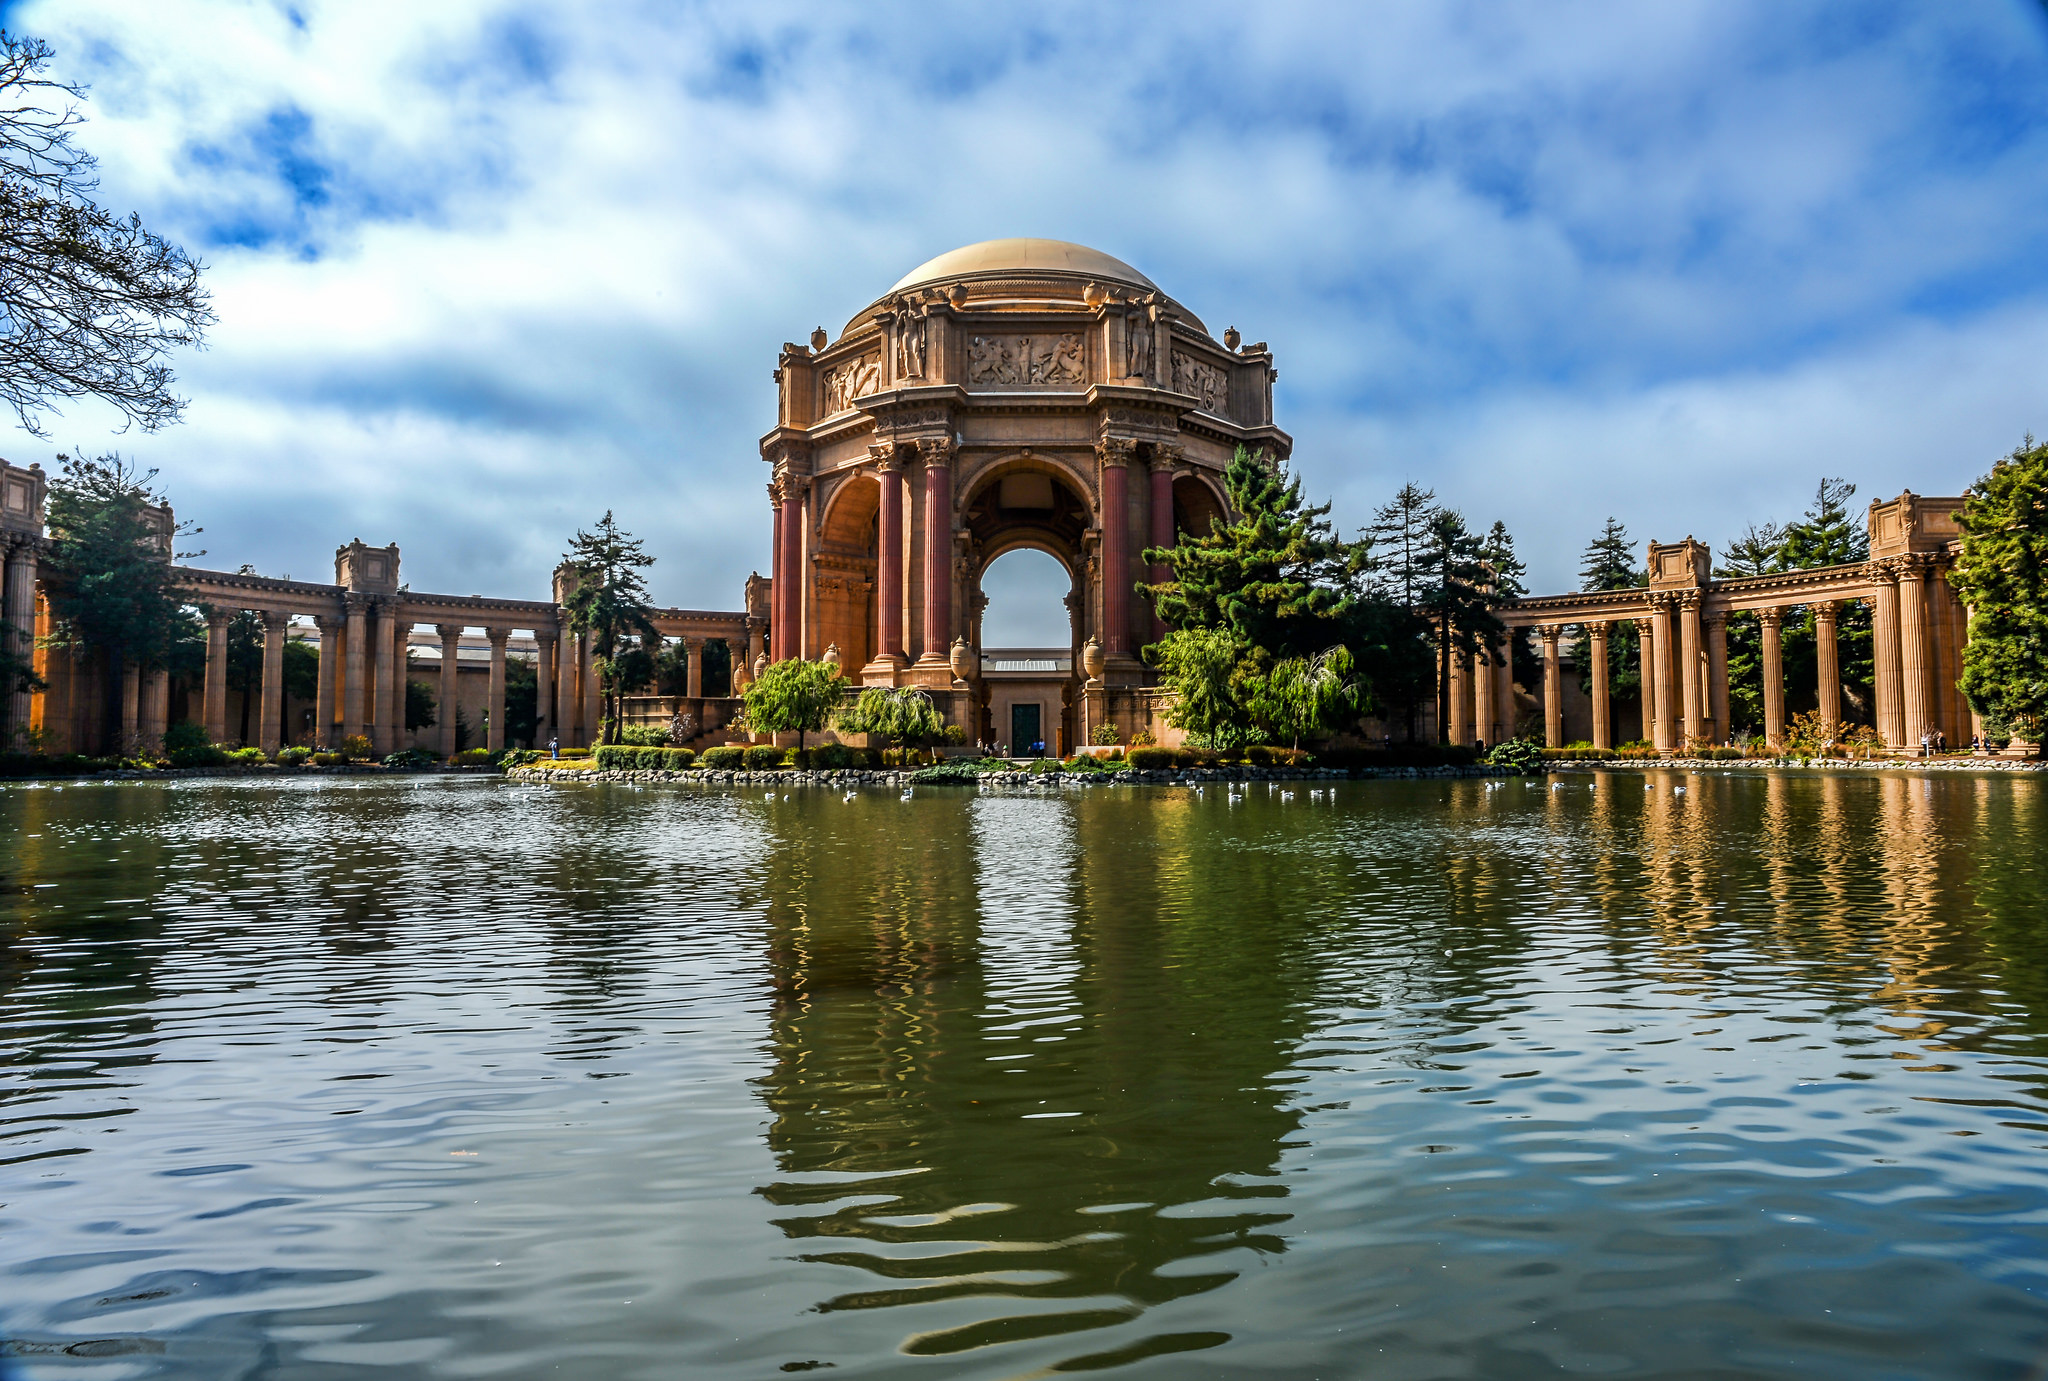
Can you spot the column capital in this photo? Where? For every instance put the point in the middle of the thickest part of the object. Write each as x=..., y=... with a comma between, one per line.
x=937, y=452
x=1825, y=610
x=887, y=456
x=219, y=618
x=449, y=631
x=1116, y=450
x=329, y=623
x=1168, y=455
x=1686, y=599
x=1547, y=631
x=1770, y=618
x=690, y=643
x=272, y=619
x=1597, y=630
x=1643, y=625
x=1713, y=618
x=498, y=636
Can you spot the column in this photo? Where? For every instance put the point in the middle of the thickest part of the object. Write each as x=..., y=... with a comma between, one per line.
x=592, y=730
x=385, y=718
x=270, y=724
x=451, y=671
x=323, y=695
x=1829, y=687
x=1884, y=655
x=1773, y=621
x=1915, y=665
x=1504, y=689
x=779, y=578
x=1952, y=668
x=567, y=706
x=131, y=709
x=1646, y=681
x=1460, y=699
x=495, y=740
x=20, y=611
x=216, y=695
x=1603, y=726
x=1164, y=459
x=789, y=635
x=693, y=663
x=355, y=686
x=1483, y=713
x=1553, y=688
x=1115, y=455
x=543, y=687
x=889, y=564
x=1717, y=675
x=938, y=555
x=156, y=707
x=1666, y=736
x=1689, y=667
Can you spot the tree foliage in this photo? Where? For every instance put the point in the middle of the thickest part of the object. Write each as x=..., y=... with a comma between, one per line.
x=1455, y=596
x=899, y=716
x=91, y=302
x=608, y=605
x=1610, y=562
x=794, y=697
x=1307, y=697
x=1211, y=675
x=2002, y=576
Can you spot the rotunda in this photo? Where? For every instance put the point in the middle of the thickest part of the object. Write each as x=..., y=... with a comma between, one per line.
x=1013, y=393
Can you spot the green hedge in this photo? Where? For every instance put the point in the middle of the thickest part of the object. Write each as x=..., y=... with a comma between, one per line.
x=766, y=757
x=961, y=772
x=728, y=757
x=1578, y=754
x=624, y=757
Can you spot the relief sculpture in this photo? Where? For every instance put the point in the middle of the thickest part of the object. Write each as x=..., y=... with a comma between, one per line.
x=854, y=379
x=1026, y=361
x=1205, y=381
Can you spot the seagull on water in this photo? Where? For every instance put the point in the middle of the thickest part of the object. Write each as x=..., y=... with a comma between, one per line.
x=1286, y=795
x=848, y=797
x=906, y=793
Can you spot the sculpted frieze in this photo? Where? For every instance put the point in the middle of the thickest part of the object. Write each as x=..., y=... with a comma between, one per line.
x=1026, y=361
x=1203, y=380
x=853, y=379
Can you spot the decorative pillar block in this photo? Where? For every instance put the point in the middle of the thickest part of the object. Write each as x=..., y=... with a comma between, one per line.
x=1603, y=727
x=270, y=725
x=1717, y=676
x=216, y=694
x=1828, y=687
x=693, y=666
x=1884, y=655
x=1773, y=621
x=495, y=739
x=451, y=671
x=328, y=683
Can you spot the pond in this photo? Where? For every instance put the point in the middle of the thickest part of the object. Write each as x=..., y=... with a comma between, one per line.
x=1628, y=1075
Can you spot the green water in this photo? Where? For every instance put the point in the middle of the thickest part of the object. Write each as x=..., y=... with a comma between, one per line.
x=1406, y=1080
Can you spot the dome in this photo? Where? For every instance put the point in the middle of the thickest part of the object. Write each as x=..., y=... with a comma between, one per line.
x=1023, y=255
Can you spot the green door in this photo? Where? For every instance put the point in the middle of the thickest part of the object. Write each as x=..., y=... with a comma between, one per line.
x=1024, y=731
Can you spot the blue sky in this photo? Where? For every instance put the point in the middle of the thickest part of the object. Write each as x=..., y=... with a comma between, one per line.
x=485, y=270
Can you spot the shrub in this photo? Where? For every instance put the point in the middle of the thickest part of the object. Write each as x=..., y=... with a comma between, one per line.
x=1142, y=739
x=247, y=755
x=1578, y=752
x=1518, y=755
x=185, y=734
x=575, y=752
x=955, y=736
x=201, y=754
x=355, y=746
x=622, y=757
x=643, y=736
x=832, y=757
x=519, y=757
x=1259, y=755
x=961, y=773
x=765, y=757
x=1293, y=757
x=1105, y=734
x=1041, y=767
x=1196, y=757
x=328, y=760
x=1086, y=763
x=411, y=759
x=473, y=757
x=729, y=757
x=1144, y=758
x=294, y=757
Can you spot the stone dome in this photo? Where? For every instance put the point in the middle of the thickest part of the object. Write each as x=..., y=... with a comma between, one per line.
x=1022, y=256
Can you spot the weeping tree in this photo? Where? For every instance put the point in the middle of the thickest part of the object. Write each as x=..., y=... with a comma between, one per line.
x=901, y=716
x=608, y=606
x=1308, y=697
x=794, y=697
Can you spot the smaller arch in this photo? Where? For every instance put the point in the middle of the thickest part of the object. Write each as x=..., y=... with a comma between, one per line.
x=1197, y=502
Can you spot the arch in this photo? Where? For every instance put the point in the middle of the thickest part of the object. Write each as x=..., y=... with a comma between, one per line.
x=843, y=577
x=1196, y=501
x=1061, y=637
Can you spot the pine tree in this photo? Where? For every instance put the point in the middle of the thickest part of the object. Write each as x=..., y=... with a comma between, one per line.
x=609, y=607
x=1610, y=563
x=1400, y=536
x=1828, y=534
x=1456, y=594
x=2003, y=576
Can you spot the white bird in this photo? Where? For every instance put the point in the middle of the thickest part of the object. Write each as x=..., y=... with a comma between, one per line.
x=848, y=797
x=769, y=797
x=1678, y=791
x=1286, y=795
x=906, y=793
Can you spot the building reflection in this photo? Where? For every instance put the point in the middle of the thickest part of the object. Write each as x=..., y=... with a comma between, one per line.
x=1021, y=1088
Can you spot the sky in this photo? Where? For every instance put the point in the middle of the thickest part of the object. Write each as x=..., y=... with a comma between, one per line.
x=486, y=270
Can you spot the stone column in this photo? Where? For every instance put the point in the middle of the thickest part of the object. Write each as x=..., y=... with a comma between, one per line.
x=1884, y=655
x=1828, y=689
x=1646, y=680
x=1915, y=665
x=1603, y=725
x=216, y=695
x=324, y=688
x=156, y=707
x=889, y=563
x=1504, y=689
x=593, y=698
x=1690, y=666
x=1480, y=673
x=789, y=635
x=131, y=709
x=1460, y=698
x=780, y=579
x=451, y=670
x=693, y=663
x=355, y=684
x=1717, y=675
x=270, y=724
x=1952, y=671
x=543, y=687
x=496, y=738
x=1773, y=621
x=568, y=702
x=1164, y=459
x=1553, y=687
x=20, y=611
x=938, y=556
x=387, y=715
x=1115, y=455
x=1666, y=737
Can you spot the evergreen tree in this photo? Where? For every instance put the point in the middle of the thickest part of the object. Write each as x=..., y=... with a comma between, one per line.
x=1828, y=534
x=245, y=660
x=1610, y=563
x=2003, y=577
x=108, y=572
x=1400, y=538
x=609, y=606
x=1456, y=585
x=1759, y=551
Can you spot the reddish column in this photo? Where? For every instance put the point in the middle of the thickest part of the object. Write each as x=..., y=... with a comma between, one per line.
x=1162, y=526
x=1116, y=563
x=776, y=622
x=938, y=554
x=889, y=574
x=792, y=567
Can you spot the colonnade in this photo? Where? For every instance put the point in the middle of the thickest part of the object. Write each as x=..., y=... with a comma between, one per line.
x=19, y=552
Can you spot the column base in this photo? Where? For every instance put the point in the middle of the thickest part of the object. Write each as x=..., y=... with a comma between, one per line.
x=930, y=671
x=886, y=670
x=1121, y=669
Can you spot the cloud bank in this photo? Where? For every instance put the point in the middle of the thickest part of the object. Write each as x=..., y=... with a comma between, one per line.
x=485, y=270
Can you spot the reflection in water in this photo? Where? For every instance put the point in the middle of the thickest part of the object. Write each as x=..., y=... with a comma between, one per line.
x=1636, y=1075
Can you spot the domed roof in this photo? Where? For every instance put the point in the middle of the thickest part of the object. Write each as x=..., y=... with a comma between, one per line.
x=1023, y=255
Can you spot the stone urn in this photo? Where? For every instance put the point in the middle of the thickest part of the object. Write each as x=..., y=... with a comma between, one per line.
x=832, y=654
x=1091, y=659
x=760, y=665
x=963, y=659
